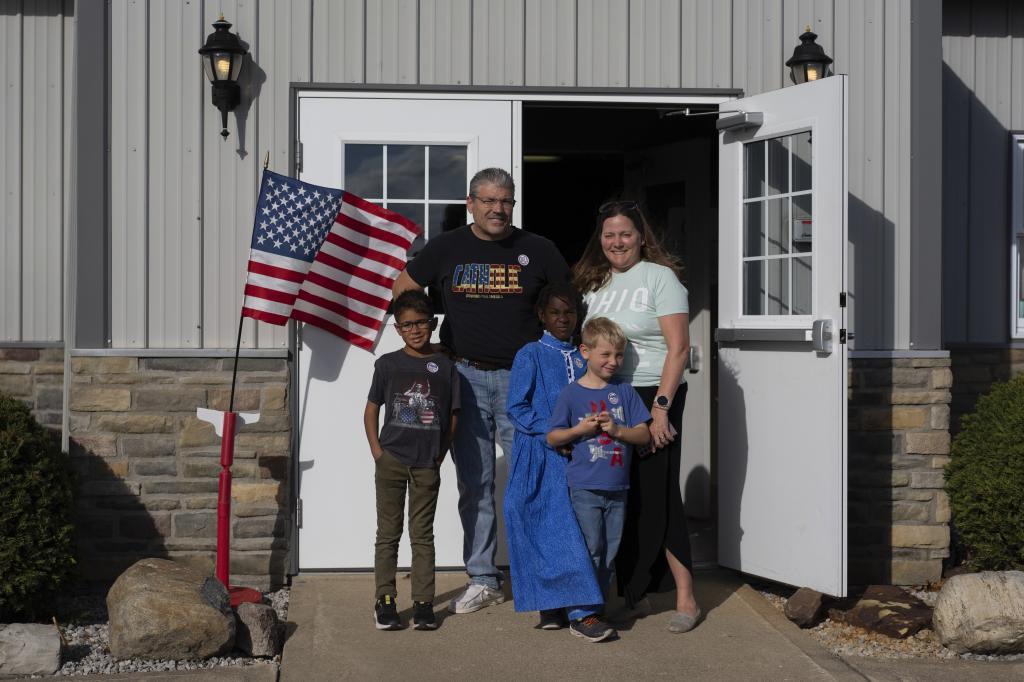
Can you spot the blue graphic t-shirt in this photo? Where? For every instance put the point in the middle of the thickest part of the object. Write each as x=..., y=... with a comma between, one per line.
x=599, y=462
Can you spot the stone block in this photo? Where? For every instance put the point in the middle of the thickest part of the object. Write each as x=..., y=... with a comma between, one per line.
x=909, y=417
x=939, y=461
x=942, y=512
x=104, y=365
x=927, y=479
x=911, y=511
x=940, y=417
x=252, y=493
x=18, y=355
x=145, y=526
x=16, y=385
x=134, y=423
x=49, y=398
x=245, y=510
x=51, y=419
x=259, y=563
x=204, y=502
x=261, y=365
x=48, y=368
x=920, y=536
x=259, y=527
x=196, y=433
x=16, y=367
x=910, y=377
x=905, y=397
x=264, y=443
x=155, y=467
x=915, y=572
x=152, y=445
x=93, y=444
x=174, y=399
x=245, y=399
x=182, y=364
x=205, y=378
x=276, y=468
x=942, y=377
x=261, y=544
x=109, y=488
x=178, y=487
x=931, y=443
x=195, y=525
x=929, y=362
x=274, y=398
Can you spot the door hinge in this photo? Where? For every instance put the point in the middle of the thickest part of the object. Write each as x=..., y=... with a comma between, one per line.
x=842, y=299
x=842, y=336
x=298, y=513
x=298, y=156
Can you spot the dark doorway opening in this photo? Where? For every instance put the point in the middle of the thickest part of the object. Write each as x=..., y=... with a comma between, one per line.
x=576, y=157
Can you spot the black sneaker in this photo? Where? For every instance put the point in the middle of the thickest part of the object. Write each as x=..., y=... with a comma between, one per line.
x=423, y=615
x=552, y=619
x=592, y=629
x=385, y=614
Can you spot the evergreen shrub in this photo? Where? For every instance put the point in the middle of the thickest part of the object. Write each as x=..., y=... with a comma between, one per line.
x=985, y=479
x=37, y=556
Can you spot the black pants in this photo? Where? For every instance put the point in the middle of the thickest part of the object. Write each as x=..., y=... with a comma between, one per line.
x=655, y=519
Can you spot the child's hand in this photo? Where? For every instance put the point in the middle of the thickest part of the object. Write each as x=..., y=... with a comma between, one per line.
x=608, y=424
x=589, y=425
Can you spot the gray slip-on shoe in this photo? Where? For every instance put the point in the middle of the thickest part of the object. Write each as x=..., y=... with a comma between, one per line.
x=683, y=622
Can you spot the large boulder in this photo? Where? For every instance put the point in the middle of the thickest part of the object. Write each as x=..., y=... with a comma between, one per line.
x=259, y=633
x=982, y=613
x=29, y=649
x=161, y=609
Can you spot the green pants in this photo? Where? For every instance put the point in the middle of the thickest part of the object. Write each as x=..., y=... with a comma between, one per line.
x=392, y=479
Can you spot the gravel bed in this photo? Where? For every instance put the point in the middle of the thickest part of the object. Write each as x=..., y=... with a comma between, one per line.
x=847, y=640
x=87, y=635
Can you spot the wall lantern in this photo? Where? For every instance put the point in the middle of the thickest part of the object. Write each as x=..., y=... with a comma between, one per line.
x=222, y=57
x=809, y=61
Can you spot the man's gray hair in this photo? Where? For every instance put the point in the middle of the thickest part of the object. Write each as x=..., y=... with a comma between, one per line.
x=499, y=177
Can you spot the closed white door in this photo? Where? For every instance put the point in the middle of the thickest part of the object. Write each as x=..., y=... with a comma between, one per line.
x=415, y=157
x=782, y=325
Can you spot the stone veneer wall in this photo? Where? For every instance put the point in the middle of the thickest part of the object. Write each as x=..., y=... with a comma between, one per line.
x=975, y=369
x=148, y=467
x=36, y=376
x=898, y=447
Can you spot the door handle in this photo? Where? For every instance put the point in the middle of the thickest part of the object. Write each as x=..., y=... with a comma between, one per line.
x=821, y=336
x=695, y=361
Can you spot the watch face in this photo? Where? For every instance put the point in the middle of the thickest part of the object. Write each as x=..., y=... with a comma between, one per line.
x=661, y=401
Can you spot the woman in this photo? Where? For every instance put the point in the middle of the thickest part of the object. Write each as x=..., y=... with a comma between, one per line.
x=626, y=275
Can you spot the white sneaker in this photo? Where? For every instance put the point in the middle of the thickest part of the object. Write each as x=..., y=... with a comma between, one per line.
x=474, y=598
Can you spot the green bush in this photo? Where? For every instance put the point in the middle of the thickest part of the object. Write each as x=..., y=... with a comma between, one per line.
x=36, y=504
x=985, y=479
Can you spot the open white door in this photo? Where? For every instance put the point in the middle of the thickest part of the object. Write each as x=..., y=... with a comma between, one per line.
x=414, y=156
x=782, y=335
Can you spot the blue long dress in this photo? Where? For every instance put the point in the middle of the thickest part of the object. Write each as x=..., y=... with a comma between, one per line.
x=550, y=565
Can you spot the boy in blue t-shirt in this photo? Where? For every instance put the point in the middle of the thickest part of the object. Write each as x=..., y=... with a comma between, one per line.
x=602, y=420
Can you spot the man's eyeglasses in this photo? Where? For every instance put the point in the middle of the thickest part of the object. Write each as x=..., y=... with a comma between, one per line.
x=624, y=205
x=507, y=204
x=414, y=324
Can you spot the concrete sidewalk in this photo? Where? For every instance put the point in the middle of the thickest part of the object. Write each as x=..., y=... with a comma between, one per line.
x=742, y=638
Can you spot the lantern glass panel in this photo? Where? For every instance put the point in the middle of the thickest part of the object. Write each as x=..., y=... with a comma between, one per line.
x=207, y=66
x=236, y=66
x=222, y=65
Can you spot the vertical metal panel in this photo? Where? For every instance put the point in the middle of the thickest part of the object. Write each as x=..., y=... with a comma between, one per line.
x=958, y=77
x=339, y=39
x=498, y=42
x=177, y=106
x=283, y=55
x=230, y=179
x=551, y=42
x=129, y=123
x=1016, y=38
x=603, y=51
x=445, y=41
x=654, y=43
x=758, y=61
x=11, y=52
x=705, y=48
x=896, y=136
x=42, y=169
x=391, y=41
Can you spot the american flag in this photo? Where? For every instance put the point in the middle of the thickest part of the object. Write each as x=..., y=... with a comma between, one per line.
x=325, y=257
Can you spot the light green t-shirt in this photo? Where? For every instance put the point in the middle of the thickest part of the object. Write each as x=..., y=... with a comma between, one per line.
x=635, y=299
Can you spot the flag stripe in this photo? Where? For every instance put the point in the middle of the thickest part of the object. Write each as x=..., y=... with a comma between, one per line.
x=371, y=231
x=334, y=318
x=363, y=273
x=383, y=213
x=264, y=316
x=262, y=268
x=365, y=251
x=269, y=294
x=273, y=283
x=339, y=309
x=385, y=246
x=340, y=332
x=338, y=252
x=336, y=287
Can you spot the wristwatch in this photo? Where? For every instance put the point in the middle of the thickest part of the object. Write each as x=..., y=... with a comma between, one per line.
x=661, y=402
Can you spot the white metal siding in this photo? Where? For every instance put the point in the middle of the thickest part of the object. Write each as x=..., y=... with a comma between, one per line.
x=11, y=57
x=983, y=99
x=198, y=192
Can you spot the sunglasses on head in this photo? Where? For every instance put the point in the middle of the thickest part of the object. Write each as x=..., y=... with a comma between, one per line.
x=621, y=205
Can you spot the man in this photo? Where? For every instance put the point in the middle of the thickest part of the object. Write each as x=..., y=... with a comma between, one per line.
x=488, y=275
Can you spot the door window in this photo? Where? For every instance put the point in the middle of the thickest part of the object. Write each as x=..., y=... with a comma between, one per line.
x=425, y=183
x=777, y=226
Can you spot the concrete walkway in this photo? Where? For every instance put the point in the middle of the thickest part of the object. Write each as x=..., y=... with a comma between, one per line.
x=742, y=638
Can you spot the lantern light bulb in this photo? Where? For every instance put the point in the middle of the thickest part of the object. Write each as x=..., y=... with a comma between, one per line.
x=812, y=73
x=222, y=64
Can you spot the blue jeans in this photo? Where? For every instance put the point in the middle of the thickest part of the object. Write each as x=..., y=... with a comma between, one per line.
x=601, y=514
x=482, y=421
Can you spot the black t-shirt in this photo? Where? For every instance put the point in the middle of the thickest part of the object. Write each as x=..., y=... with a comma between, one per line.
x=488, y=289
x=419, y=395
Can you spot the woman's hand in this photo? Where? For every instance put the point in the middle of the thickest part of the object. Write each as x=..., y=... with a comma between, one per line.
x=662, y=431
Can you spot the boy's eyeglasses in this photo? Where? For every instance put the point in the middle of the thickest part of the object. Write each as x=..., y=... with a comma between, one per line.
x=507, y=204
x=625, y=205
x=414, y=324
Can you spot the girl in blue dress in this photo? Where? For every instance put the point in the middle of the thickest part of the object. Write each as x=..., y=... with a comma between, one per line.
x=550, y=565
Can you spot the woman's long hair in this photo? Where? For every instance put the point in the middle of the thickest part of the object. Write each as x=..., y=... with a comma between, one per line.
x=593, y=269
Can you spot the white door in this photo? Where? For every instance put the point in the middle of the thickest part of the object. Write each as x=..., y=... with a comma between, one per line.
x=782, y=352
x=415, y=157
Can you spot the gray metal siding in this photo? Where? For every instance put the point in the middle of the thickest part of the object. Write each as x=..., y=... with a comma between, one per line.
x=35, y=62
x=983, y=99
x=182, y=198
